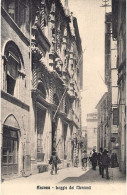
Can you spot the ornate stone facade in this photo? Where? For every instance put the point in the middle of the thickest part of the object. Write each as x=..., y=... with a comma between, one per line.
x=51, y=48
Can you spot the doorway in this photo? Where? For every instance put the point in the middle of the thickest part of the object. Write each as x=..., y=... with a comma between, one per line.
x=10, y=152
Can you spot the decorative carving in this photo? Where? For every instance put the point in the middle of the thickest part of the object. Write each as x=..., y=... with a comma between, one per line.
x=36, y=54
x=58, y=65
x=42, y=14
x=58, y=38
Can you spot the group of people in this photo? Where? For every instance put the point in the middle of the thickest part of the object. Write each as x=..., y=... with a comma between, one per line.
x=102, y=160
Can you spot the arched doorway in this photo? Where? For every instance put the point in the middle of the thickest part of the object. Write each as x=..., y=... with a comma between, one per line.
x=10, y=147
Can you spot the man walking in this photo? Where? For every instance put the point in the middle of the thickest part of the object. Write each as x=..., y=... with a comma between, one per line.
x=99, y=158
x=105, y=163
x=54, y=161
x=94, y=160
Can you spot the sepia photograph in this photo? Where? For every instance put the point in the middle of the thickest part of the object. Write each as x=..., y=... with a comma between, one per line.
x=63, y=97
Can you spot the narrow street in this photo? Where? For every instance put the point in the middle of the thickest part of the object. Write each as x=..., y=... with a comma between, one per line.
x=67, y=179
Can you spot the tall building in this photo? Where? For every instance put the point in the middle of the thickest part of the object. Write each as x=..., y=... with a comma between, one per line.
x=41, y=81
x=119, y=34
x=111, y=77
x=92, y=119
x=103, y=132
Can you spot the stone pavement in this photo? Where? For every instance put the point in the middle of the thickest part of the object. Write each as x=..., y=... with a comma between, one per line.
x=93, y=176
x=72, y=176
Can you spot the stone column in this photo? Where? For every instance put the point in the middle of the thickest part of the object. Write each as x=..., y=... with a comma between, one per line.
x=42, y=14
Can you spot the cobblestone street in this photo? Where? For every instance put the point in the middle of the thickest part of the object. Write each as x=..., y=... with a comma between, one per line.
x=87, y=180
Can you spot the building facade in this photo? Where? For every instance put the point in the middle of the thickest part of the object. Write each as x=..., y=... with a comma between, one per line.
x=92, y=119
x=119, y=34
x=111, y=77
x=103, y=132
x=41, y=81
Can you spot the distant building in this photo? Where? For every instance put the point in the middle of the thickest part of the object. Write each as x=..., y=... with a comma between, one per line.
x=91, y=131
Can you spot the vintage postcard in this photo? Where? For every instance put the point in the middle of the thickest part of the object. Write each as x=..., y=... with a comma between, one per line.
x=63, y=97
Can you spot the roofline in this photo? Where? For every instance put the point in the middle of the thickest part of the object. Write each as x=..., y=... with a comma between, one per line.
x=104, y=95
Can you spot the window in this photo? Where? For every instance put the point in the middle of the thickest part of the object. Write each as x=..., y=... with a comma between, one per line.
x=13, y=66
x=53, y=31
x=10, y=85
x=22, y=13
x=16, y=9
x=11, y=8
x=115, y=116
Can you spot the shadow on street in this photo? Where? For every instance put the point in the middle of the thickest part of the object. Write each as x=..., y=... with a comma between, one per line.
x=93, y=176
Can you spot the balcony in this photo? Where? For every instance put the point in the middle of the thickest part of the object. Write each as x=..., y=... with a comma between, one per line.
x=42, y=100
x=39, y=37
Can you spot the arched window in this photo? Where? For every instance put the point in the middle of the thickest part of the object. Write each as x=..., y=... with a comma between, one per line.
x=13, y=68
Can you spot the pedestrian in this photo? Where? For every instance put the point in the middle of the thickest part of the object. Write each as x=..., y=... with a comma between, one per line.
x=76, y=161
x=90, y=159
x=94, y=159
x=84, y=160
x=99, y=158
x=105, y=163
x=54, y=160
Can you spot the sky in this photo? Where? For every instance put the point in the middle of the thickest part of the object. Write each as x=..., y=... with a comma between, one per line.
x=91, y=17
